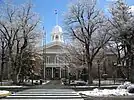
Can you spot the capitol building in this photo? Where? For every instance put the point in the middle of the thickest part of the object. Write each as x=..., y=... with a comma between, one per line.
x=53, y=67
x=57, y=67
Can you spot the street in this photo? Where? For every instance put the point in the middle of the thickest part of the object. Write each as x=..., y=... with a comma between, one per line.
x=54, y=90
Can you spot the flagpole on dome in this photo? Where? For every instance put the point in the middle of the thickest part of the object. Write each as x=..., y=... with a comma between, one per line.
x=56, y=13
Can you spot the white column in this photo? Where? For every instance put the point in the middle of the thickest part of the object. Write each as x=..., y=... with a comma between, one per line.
x=52, y=73
x=60, y=72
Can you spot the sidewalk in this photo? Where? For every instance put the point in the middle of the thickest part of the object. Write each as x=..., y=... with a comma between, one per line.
x=26, y=86
x=5, y=90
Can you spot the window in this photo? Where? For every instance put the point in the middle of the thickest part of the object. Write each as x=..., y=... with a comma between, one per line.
x=47, y=61
x=57, y=37
x=56, y=59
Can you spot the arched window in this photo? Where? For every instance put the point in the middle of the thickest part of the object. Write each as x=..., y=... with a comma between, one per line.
x=57, y=37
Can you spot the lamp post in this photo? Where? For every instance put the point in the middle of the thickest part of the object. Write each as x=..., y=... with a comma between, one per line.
x=32, y=76
x=114, y=65
x=98, y=62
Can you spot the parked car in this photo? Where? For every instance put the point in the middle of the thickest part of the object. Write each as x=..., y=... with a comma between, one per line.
x=78, y=82
x=38, y=82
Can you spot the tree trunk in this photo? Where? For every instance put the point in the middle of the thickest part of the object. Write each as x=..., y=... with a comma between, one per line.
x=89, y=64
x=90, y=79
x=15, y=78
x=128, y=61
x=2, y=62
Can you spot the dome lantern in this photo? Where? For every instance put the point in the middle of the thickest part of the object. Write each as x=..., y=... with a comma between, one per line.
x=57, y=34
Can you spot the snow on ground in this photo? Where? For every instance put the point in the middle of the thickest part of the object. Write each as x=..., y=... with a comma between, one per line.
x=46, y=82
x=107, y=82
x=4, y=93
x=11, y=86
x=106, y=92
x=122, y=90
x=108, y=86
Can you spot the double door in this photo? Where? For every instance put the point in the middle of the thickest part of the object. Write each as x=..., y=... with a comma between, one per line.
x=56, y=73
x=53, y=73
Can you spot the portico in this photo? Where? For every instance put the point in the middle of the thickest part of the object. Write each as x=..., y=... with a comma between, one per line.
x=53, y=72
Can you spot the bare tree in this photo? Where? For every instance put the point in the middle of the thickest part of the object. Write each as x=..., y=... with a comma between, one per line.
x=3, y=55
x=86, y=24
x=8, y=30
x=20, y=28
x=122, y=33
x=71, y=59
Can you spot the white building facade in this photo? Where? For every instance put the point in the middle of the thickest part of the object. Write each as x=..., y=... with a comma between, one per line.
x=53, y=67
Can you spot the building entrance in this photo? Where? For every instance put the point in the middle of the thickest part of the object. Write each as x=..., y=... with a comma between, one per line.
x=56, y=73
x=48, y=73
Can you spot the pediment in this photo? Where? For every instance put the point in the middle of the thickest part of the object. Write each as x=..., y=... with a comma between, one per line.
x=54, y=47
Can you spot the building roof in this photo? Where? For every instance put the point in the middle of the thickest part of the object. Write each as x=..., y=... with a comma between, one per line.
x=57, y=43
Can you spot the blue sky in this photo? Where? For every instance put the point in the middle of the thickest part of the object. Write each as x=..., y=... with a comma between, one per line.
x=46, y=8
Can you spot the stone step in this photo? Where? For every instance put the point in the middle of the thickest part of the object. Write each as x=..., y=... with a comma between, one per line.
x=45, y=94
x=29, y=94
x=45, y=99
x=42, y=97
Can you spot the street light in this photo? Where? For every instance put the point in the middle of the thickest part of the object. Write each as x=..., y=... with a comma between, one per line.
x=32, y=76
x=98, y=62
x=114, y=65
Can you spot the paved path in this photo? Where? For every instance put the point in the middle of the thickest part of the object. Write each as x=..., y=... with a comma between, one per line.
x=54, y=84
x=51, y=91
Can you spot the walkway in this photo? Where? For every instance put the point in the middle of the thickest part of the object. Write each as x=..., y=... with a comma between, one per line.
x=51, y=91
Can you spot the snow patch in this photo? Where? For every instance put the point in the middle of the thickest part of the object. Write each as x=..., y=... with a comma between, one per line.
x=11, y=86
x=4, y=92
x=124, y=86
x=46, y=82
x=122, y=90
